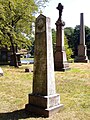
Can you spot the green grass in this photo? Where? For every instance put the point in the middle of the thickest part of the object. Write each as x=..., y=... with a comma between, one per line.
x=72, y=85
x=27, y=58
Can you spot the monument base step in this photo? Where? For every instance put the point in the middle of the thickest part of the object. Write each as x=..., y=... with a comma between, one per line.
x=62, y=69
x=44, y=101
x=31, y=109
x=62, y=66
x=83, y=59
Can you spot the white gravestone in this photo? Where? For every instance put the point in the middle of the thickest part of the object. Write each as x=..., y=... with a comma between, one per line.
x=1, y=72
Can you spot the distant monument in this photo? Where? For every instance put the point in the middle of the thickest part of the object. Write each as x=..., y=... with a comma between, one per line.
x=3, y=55
x=6, y=56
x=18, y=55
x=82, y=49
x=60, y=59
x=44, y=100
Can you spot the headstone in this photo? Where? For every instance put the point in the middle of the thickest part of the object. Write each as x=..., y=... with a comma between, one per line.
x=82, y=49
x=1, y=72
x=60, y=58
x=28, y=70
x=18, y=59
x=44, y=100
x=3, y=55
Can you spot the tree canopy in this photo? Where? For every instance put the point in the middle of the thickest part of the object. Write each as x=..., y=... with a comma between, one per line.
x=67, y=48
x=16, y=17
x=73, y=36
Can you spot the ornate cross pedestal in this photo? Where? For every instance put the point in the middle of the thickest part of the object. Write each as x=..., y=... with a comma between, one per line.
x=44, y=100
x=60, y=59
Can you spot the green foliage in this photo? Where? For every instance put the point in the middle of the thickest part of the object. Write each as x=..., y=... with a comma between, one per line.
x=68, y=50
x=16, y=17
x=73, y=36
x=87, y=36
x=68, y=31
x=53, y=36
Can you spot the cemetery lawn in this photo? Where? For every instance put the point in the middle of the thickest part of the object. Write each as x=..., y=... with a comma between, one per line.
x=72, y=85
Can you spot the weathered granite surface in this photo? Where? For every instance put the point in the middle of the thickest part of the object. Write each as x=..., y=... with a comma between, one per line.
x=43, y=100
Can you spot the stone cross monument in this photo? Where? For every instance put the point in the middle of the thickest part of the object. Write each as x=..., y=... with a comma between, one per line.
x=82, y=49
x=60, y=59
x=44, y=100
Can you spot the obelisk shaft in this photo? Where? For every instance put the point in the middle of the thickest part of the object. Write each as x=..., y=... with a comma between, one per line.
x=82, y=48
x=43, y=100
x=82, y=29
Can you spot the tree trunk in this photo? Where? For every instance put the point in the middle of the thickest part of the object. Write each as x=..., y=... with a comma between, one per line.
x=13, y=49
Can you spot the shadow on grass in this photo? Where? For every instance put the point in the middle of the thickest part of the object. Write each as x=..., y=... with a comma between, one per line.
x=16, y=115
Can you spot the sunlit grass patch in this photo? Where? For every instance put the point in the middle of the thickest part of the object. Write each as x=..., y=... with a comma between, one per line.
x=72, y=85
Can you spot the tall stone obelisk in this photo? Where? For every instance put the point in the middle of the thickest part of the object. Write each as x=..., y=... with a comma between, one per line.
x=60, y=59
x=82, y=49
x=44, y=100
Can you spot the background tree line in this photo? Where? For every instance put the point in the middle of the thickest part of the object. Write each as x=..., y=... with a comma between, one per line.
x=68, y=50
x=73, y=37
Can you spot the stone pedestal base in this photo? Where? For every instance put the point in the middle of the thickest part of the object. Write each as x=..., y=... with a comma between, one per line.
x=60, y=61
x=41, y=111
x=61, y=66
x=43, y=105
x=82, y=59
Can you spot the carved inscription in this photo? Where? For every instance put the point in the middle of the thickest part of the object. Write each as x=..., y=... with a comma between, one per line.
x=40, y=25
